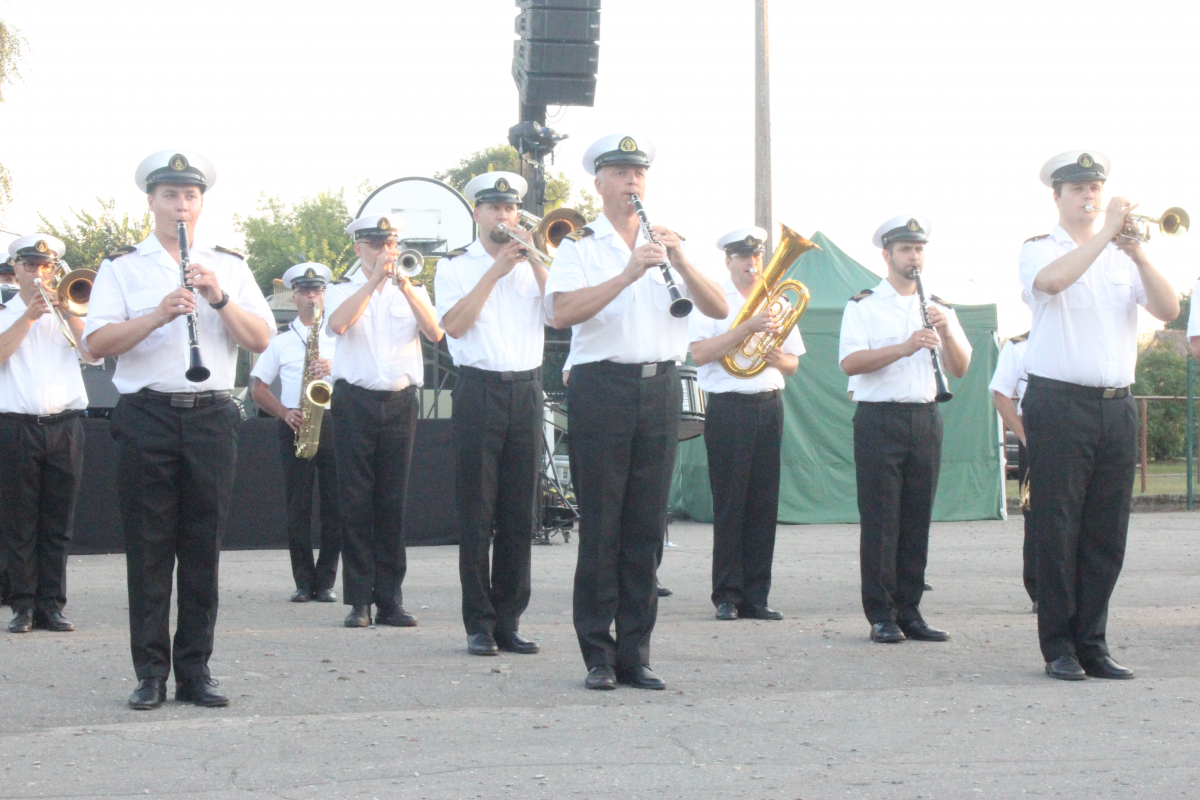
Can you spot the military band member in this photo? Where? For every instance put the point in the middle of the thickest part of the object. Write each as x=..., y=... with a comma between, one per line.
x=1009, y=381
x=885, y=348
x=9, y=287
x=623, y=407
x=1081, y=420
x=41, y=438
x=489, y=302
x=743, y=433
x=176, y=440
x=285, y=358
x=377, y=372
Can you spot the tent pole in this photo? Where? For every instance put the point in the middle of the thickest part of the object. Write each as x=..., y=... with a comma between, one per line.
x=1191, y=423
x=762, y=126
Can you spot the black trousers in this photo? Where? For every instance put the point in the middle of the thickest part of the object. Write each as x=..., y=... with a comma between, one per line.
x=373, y=437
x=742, y=435
x=298, y=476
x=1029, y=547
x=175, y=480
x=624, y=434
x=42, y=466
x=897, y=456
x=1082, y=459
x=498, y=445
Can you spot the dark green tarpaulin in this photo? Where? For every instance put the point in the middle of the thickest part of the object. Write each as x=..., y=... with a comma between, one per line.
x=817, y=472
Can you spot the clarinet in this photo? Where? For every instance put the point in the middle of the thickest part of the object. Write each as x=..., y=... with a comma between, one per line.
x=197, y=372
x=943, y=391
x=680, y=305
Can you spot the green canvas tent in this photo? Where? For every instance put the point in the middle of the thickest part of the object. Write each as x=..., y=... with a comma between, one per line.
x=817, y=482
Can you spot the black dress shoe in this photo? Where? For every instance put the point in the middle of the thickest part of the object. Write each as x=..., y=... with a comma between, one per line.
x=726, y=612
x=52, y=621
x=602, y=678
x=516, y=643
x=663, y=591
x=201, y=690
x=301, y=596
x=751, y=611
x=1065, y=668
x=482, y=644
x=886, y=633
x=1105, y=667
x=150, y=693
x=22, y=622
x=1034, y=609
x=396, y=616
x=359, y=617
x=325, y=596
x=641, y=677
x=920, y=630
x=928, y=588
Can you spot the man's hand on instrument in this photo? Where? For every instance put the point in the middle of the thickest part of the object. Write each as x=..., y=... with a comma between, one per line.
x=37, y=308
x=774, y=356
x=294, y=418
x=643, y=258
x=509, y=256
x=179, y=302
x=922, y=338
x=204, y=281
x=321, y=368
x=764, y=322
x=939, y=320
x=668, y=238
x=1114, y=215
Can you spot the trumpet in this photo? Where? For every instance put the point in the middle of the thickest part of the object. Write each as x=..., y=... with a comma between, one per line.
x=770, y=294
x=1173, y=222
x=409, y=263
x=529, y=250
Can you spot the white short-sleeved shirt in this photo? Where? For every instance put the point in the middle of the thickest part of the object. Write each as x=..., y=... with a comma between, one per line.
x=1010, y=377
x=637, y=326
x=382, y=349
x=284, y=357
x=42, y=377
x=1193, y=328
x=1086, y=334
x=882, y=319
x=511, y=329
x=133, y=286
x=712, y=377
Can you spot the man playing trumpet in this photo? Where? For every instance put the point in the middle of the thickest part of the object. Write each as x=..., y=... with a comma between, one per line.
x=489, y=300
x=743, y=432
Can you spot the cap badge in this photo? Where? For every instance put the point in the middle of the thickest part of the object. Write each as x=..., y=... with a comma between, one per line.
x=41, y=246
x=627, y=145
x=913, y=225
x=1086, y=161
x=501, y=185
x=383, y=224
x=310, y=273
x=750, y=240
x=178, y=162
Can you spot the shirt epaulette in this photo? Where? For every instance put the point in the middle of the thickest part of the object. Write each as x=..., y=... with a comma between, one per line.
x=862, y=294
x=341, y=279
x=458, y=251
x=581, y=233
x=1036, y=238
x=120, y=251
x=939, y=300
x=227, y=251
x=1020, y=337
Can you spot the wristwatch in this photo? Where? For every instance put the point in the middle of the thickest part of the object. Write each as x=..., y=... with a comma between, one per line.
x=222, y=303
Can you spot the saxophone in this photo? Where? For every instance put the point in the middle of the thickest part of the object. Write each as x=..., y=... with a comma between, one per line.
x=315, y=395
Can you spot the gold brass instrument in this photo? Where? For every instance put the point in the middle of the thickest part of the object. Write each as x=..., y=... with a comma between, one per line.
x=530, y=251
x=315, y=394
x=73, y=289
x=1173, y=222
x=770, y=294
x=550, y=230
x=1025, y=493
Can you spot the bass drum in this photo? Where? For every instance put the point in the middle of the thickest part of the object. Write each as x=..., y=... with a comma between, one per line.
x=691, y=416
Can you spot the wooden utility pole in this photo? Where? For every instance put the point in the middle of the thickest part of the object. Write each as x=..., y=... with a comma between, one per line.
x=762, y=125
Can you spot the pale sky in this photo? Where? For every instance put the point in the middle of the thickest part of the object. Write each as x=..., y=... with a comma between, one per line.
x=946, y=109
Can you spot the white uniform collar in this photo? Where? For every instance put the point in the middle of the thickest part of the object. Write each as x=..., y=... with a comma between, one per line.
x=476, y=249
x=16, y=305
x=151, y=245
x=1060, y=235
x=601, y=226
x=885, y=289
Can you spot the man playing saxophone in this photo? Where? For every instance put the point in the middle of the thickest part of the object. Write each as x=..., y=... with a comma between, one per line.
x=289, y=358
x=743, y=432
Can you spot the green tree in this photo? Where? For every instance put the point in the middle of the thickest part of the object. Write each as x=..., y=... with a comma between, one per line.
x=1180, y=323
x=279, y=235
x=1162, y=371
x=504, y=158
x=12, y=46
x=90, y=236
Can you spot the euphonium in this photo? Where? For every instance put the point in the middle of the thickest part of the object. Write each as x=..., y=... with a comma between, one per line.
x=315, y=395
x=769, y=294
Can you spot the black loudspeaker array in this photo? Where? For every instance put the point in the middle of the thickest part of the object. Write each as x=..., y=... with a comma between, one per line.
x=556, y=59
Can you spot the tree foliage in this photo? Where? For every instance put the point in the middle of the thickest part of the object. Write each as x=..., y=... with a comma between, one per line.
x=279, y=235
x=504, y=158
x=1162, y=371
x=12, y=46
x=1180, y=323
x=90, y=236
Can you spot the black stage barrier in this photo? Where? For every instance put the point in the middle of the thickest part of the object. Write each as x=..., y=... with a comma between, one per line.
x=258, y=517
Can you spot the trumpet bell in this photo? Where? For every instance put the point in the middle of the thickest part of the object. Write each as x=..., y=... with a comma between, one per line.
x=319, y=393
x=75, y=291
x=1175, y=222
x=410, y=263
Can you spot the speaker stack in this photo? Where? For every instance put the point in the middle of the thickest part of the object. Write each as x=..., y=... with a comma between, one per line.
x=556, y=59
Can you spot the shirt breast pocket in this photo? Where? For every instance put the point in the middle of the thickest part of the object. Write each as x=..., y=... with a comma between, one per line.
x=145, y=302
x=1120, y=288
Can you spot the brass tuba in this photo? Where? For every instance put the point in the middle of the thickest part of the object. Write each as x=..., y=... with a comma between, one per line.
x=769, y=294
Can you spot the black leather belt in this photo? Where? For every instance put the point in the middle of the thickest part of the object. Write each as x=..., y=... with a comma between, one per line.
x=1099, y=392
x=45, y=419
x=184, y=399
x=638, y=370
x=491, y=375
x=379, y=394
x=743, y=397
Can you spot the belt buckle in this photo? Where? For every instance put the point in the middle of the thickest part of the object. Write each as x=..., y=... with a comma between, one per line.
x=649, y=370
x=1109, y=394
x=183, y=400
x=506, y=376
x=44, y=419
